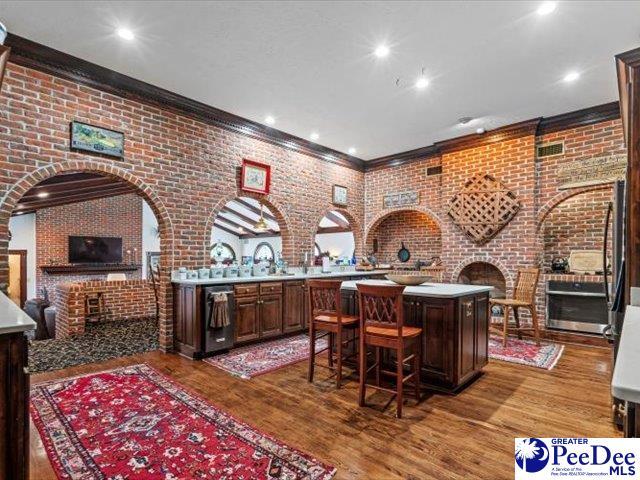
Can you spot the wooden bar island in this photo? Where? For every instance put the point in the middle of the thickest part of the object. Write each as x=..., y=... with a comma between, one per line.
x=455, y=328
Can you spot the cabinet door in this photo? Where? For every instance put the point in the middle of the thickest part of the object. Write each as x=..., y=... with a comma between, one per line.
x=185, y=312
x=270, y=315
x=482, y=331
x=247, y=315
x=467, y=339
x=294, y=300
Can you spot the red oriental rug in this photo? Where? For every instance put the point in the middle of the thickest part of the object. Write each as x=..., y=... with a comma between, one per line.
x=254, y=360
x=525, y=352
x=135, y=423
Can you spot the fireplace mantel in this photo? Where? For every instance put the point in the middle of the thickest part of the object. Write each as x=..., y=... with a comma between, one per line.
x=84, y=269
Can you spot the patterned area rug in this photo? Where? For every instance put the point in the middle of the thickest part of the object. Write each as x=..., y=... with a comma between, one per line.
x=254, y=360
x=525, y=352
x=134, y=422
x=101, y=341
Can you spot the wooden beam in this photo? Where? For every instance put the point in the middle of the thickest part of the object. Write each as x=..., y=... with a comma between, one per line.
x=59, y=190
x=53, y=202
x=255, y=210
x=333, y=230
x=235, y=224
x=244, y=218
x=336, y=219
x=225, y=229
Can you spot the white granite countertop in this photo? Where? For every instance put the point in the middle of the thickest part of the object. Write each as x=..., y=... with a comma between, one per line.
x=12, y=318
x=276, y=278
x=437, y=290
x=625, y=383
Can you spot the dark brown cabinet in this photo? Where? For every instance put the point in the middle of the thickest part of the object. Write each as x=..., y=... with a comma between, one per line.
x=270, y=315
x=294, y=307
x=247, y=318
x=186, y=313
x=454, y=339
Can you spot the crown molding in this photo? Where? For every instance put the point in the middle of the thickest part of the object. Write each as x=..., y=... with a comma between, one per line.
x=536, y=126
x=34, y=55
x=39, y=57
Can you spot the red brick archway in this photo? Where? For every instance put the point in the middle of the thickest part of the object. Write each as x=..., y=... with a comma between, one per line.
x=455, y=273
x=560, y=198
x=278, y=211
x=381, y=216
x=356, y=228
x=13, y=196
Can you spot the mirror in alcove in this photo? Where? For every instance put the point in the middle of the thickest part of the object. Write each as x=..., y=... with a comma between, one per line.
x=334, y=240
x=245, y=232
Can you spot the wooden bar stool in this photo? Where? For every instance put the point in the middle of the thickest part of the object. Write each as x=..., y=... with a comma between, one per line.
x=524, y=296
x=325, y=305
x=382, y=326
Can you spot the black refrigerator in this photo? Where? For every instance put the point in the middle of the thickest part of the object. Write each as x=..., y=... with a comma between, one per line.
x=615, y=288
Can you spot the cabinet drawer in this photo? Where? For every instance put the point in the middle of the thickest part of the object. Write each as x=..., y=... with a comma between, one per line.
x=246, y=289
x=271, y=287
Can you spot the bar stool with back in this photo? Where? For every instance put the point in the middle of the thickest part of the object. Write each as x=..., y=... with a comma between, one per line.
x=325, y=307
x=524, y=296
x=382, y=326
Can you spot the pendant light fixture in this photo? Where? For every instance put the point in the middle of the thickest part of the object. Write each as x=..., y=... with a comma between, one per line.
x=261, y=224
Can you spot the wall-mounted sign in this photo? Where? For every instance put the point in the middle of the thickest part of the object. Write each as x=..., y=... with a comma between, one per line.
x=400, y=199
x=339, y=195
x=96, y=139
x=256, y=177
x=592, y=171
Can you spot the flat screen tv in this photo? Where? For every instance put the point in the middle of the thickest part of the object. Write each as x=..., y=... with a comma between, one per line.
x=95, y=249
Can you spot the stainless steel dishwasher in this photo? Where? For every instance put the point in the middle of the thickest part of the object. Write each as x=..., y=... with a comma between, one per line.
x=218, y=339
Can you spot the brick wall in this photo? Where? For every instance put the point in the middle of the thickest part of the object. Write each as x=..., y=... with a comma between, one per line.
x=128, y=299
x=551, y=222
x=185, y=169
x=576, y=224
x=119, y=216
x=419, y=232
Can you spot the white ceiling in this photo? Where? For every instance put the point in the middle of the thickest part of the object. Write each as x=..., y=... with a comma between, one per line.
x=310, y=64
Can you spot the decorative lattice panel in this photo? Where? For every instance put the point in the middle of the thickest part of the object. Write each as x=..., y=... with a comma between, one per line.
x=483, y=207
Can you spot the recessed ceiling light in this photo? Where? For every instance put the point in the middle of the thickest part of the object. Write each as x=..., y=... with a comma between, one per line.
x=381, y=51
x=43, y=194
x=480, y=131
x=314, y=136
x=571, y=77
x=269, y=120
x=422, y=82
x=125, y=33
x=546, y=8
x=352, y=151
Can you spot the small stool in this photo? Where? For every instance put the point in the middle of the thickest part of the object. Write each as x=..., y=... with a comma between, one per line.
x=382, y=326
x=325, y=306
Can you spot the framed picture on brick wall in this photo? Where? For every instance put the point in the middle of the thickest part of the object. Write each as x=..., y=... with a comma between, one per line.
x=256, y=177
x=340, y=195
x=96, y=139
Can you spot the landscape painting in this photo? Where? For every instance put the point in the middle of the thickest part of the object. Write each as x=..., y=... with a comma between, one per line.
x=96, y=139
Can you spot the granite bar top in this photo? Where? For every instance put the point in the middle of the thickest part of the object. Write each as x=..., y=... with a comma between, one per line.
x=625, y=383
x=12, y=318
x=276, y=278
x=436, y=290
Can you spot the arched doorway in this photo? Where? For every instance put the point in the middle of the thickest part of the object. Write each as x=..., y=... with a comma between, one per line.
x=247, y=231
x=335, y=240
x=418, y=230
x=116, y=181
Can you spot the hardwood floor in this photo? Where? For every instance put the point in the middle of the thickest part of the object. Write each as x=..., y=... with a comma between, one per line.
x=470, y=435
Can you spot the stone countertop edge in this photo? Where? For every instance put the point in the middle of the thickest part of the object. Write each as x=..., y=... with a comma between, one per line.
x=625, y=382
x=12, y=318
x=434, y=290
x=275, y=278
